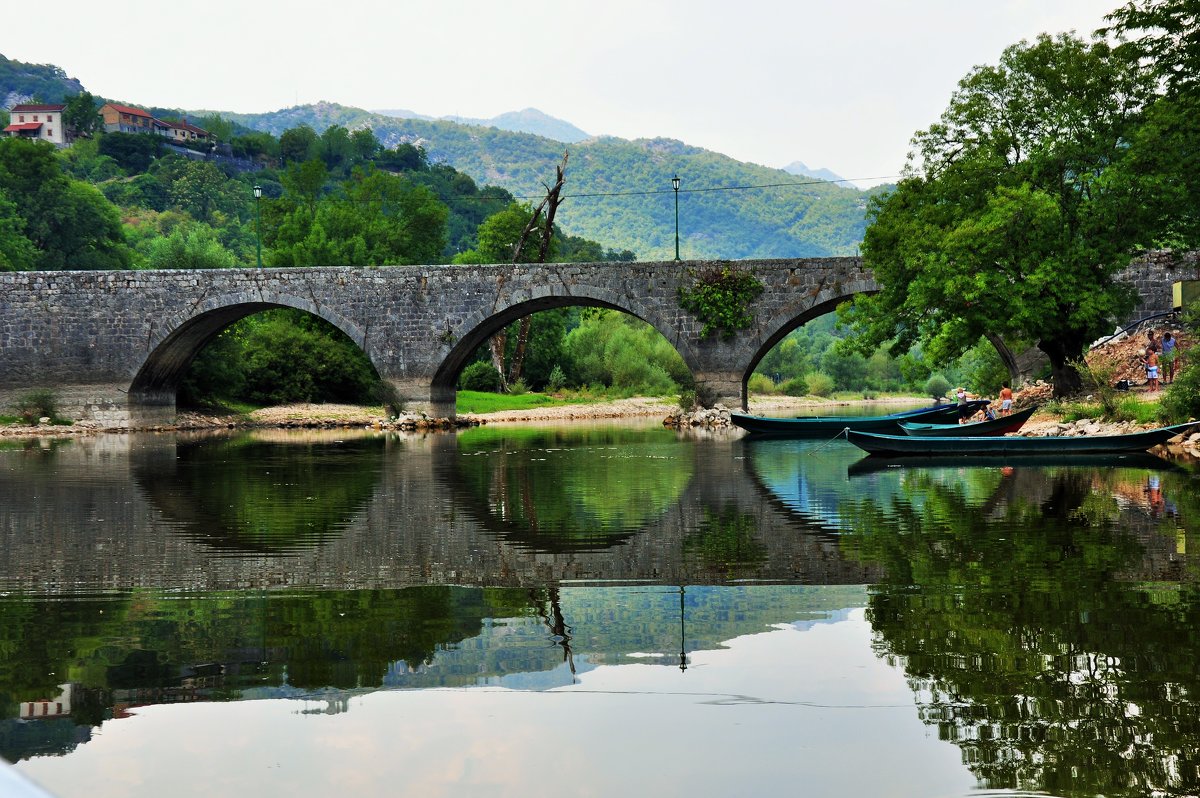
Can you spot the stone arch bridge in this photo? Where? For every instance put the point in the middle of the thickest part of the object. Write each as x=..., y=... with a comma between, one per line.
x=113, y=346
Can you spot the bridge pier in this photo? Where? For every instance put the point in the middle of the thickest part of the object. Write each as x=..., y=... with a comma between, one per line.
x=726, y=388
x=422, y=395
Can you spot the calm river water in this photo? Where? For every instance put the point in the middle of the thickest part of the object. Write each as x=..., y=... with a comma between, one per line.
x=607, y=610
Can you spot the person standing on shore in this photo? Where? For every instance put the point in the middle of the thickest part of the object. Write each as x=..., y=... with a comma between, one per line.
x=1006, y=400
x=1168, y=358
x=1151, y=369
x=961, y=395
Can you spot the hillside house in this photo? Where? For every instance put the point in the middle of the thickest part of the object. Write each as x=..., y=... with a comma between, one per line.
x=184, y=131
x=126, y=119
x=42, y=122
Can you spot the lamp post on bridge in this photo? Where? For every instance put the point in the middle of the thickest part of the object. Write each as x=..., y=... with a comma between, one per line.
x=258, y=223
x=675, y=186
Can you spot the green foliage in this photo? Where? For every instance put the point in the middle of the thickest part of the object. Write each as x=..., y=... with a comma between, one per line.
x=46, y=82
x=17, y=252
x=81, y=115
x=615, y=349
x=796, y=386
x=193, y=247
x=70, y=223
x=804, y=220
x=1006, y=224
x=479, y=376
x=279, y=357
x=721, y=300
x=35, y=405
x=133, y=152
x=500, y=234
x=375, y=219
x=491, y=402
x=1181, y=402
x=937, y=387
x=760, y=384
x=557, y=380
x=820, y=384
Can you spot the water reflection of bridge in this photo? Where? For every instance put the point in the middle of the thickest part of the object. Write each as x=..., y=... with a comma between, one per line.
x=123, y=525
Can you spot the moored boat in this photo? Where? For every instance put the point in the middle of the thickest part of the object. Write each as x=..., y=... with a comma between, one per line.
x=909, y=445
x=827, y=426
x=993, y=426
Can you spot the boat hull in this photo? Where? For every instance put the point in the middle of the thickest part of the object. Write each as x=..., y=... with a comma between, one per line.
x=907, y=445
x=990, y=427
x=828, y=426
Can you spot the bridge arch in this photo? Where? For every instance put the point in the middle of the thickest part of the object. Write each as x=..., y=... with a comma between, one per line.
x=796, y=314
x=155, y=379
x=478, y=327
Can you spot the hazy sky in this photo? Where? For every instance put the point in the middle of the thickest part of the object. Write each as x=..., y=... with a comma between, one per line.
x=841, y=84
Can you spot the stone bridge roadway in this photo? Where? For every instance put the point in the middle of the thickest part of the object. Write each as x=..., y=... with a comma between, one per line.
x=114, y=345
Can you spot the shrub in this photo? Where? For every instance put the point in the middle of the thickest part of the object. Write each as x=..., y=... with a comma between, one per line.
x=820, y=384
x=1182, y=399
x=557, y=380
x=760, y=383
x=687, y=400
x=518, y=388
x=937, y=386
x=796, y=386
x=35, y=405
x=479, y=376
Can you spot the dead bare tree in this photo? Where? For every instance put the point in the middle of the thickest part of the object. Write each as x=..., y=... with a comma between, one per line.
x=499, y=341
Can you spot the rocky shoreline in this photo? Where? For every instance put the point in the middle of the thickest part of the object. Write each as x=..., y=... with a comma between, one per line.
x=326, y=416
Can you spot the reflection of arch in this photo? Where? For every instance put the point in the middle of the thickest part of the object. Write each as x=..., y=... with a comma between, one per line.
x=248, y=495
x=156, y=378
x=477, y=328
x=476, y=492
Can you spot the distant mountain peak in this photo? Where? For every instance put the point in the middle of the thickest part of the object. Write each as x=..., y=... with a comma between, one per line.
x=803, y=170
x=527, y=120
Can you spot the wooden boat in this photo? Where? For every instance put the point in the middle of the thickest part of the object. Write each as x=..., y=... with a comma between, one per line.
x=910, y=445
x=828, y=426
x=992, y=426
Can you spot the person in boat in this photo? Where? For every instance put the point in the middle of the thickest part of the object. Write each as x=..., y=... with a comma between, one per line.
x=1169, y=346
x=1006, y=400
x=964, y=410
x=1151, y=368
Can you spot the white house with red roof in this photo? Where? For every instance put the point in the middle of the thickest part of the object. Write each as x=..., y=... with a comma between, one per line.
x=34, y=121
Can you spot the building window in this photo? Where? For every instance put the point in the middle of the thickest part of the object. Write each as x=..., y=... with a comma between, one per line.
x=22, y=119
x=49, y=133
x=35, y=117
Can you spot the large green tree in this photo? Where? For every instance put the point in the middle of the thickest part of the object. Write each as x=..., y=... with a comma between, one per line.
x=70, y=223
x=1162, y=166
x=1005, y=223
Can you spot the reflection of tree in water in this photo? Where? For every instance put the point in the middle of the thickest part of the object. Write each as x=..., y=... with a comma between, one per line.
x=569, y=490
x=1023, y=648
x=725, y=541
x=249, y=495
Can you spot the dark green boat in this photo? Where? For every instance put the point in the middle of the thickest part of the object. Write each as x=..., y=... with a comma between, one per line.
x=907, y=445
x=828, y=426
x=992, y=426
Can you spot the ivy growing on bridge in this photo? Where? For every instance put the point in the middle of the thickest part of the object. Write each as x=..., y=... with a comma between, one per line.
x=721, y=299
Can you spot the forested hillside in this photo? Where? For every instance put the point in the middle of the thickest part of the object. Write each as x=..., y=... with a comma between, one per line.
x=621, y=190
x=22, y=82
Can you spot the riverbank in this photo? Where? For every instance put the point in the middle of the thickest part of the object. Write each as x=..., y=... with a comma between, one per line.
x=335, y=416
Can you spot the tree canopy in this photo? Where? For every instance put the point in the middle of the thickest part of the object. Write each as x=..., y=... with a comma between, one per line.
x=1008, y=221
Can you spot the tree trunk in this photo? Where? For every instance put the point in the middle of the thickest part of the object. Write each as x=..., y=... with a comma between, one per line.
x=499, y=342
x=1006, y=357
x=1065, y=377
x=551, y=203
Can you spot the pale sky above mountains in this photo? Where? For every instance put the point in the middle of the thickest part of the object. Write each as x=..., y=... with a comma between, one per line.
x=840, y=84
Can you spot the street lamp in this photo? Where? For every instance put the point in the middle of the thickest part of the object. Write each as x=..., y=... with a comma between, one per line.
x=258, y=222
x=675, y=185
